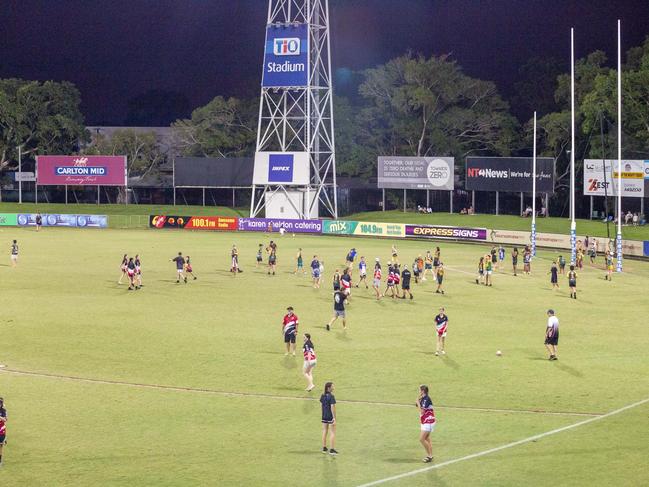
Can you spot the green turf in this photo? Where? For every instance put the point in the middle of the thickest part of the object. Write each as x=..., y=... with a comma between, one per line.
x=505, y=222
x=64, y=314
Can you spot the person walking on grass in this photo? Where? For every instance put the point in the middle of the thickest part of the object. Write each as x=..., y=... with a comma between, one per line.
x=362, y=273
x=309, y=361
x=440, y=278
x=488, y=270
x=376, y=283
x=572, y=282
x=3, y=427
x=14, y=253
x=39, y=221
x=405, y=282
x=554, y=275
x=315, y=272
x=289, y=330
x=552, y=335
x=180, y=267
x=328, y=402
x=339, y=310
x=562, y=264
x=260, y=259
x=426, y=420
x=480, y=278
x=609, y=265
x=441, y=326
x=123, y=268
x=299, y=266
x=514, y=259
x=189, y=270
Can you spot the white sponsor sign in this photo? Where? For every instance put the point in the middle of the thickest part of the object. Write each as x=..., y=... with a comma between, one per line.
x=601, y=178
x=25, y=176
x=282, y=168
x=416, y=172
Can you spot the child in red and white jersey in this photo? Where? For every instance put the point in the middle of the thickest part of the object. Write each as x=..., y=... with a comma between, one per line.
x=427, y=421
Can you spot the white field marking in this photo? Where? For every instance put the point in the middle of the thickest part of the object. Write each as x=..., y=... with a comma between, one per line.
x=285, y=398
x=508, y=445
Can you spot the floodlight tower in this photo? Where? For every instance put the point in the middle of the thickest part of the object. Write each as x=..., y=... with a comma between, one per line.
x=296, y=108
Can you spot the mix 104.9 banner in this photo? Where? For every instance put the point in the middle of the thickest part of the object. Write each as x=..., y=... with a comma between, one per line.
x=81, y=170
x=286, y=56
x=512, y=174
x=368, y=229
x=63, y=220
x=223, y=223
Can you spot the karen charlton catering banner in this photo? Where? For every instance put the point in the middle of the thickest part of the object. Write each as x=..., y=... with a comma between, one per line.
x=274, y=225
x=81, y=170
x=452, y=233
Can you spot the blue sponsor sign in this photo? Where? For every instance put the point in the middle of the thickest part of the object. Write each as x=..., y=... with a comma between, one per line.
x=59, y=220
x=280, y=168
x=286, y=56
x=646, y=248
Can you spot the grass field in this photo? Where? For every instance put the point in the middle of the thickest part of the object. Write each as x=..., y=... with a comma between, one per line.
x=136, y=216
x=188, y=385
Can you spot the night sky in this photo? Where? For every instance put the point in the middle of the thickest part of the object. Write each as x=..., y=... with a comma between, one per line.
x=116, y=50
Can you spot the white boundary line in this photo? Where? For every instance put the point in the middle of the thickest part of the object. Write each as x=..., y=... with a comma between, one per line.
x=504, y=447
x=283, y=398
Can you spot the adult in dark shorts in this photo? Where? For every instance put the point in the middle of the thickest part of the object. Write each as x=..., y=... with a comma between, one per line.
x=3, y=426
x=514, y=259
x=339, y=309
x=39, y=221
x=552, y=335
x=405, y=282
x=328, y=402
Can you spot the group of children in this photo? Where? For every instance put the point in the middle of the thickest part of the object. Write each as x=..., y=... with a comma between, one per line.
x=131, y=267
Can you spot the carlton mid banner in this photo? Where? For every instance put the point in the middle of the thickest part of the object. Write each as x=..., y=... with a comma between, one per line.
x=286, y=57
x=601, y=182
x=509, y=174
x=416, y=172
x=452, y=233
x=81, y=170
x=222, y=223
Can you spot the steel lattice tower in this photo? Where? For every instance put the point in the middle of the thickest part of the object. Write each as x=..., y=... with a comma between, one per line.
x=300, y=118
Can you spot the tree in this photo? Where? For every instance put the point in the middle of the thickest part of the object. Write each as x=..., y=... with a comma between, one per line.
x=43, y=118
x=142, y=149
x=222, y=128
x=427, y=106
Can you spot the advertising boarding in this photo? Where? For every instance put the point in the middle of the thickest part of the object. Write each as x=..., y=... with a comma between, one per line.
x=63, y=220
x=81, y=170
x=512, y=174
x=282, y=168
x=367, y=229
x=451, y=233
x=416, y=172
x=601, y=178
x=286, y=56
x=275, y=224
x=214, y=223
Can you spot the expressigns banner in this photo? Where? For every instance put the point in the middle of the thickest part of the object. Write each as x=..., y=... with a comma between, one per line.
x=81, y=170
x=63, y=220
x=452, y=233
x=509, y=174
x=286, y=56
x=601, y=178
x=274, y=225
x=368, y=229
x=416, y=172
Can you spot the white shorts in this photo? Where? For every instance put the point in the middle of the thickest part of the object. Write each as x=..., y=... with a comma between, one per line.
x=14, y=257
x=429, y=427
x=309, y=363
x=347, y=291
x=180, y=271
x=377, y=282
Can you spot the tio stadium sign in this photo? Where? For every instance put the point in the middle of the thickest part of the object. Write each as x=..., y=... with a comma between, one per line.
x=286, y=56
